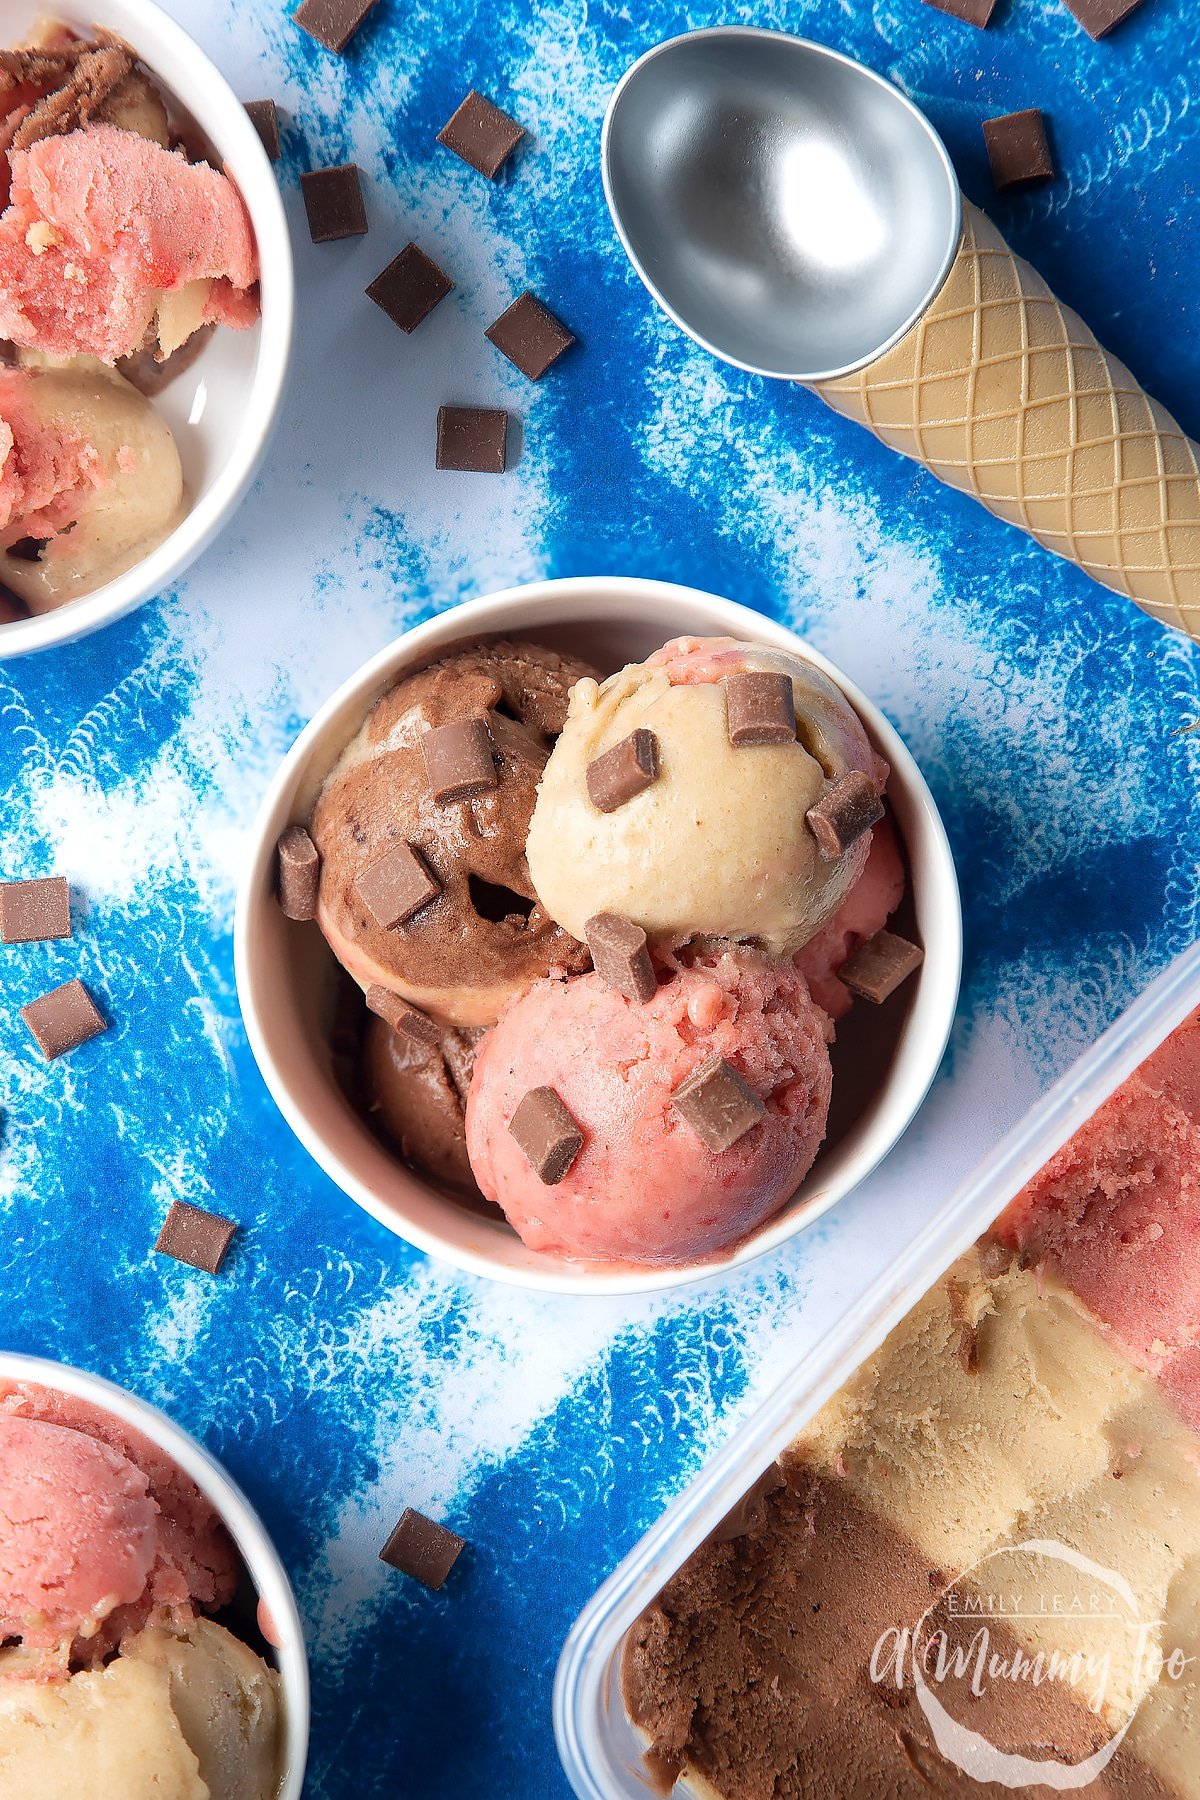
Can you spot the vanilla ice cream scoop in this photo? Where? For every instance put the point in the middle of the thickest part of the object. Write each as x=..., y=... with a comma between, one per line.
x=716, y=839
x=90, y=481
x=187, y=1715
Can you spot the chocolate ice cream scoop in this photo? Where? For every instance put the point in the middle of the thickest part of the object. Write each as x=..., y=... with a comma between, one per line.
x=425, y=889
x=415, y=1095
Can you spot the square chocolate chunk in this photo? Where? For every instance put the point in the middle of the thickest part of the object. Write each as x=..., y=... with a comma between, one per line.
x=547, y=1134
x=621, y=956
x=530, y=336
x=264, y=116
x=459, y=760
x=877, y=968
x=760, y=708
x=1099, y=17
x=333, y=200
x=481, y=134
x=718, y=1105
x=971, y=12
x=620, y=774
x=422, y=1548
x=63, y=1019
x=33, y=911
x=1018, y=148
x=851, y=806
x=472, y=439
x=332, y=22
x=409, y=288
x=191, y=1235
x=397, y=886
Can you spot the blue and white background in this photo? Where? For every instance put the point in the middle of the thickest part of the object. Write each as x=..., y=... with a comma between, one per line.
x=340, y=1375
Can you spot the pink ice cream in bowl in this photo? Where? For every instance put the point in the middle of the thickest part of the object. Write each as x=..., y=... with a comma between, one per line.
x=146, y=301
x=148, y=1628
x=598, y=936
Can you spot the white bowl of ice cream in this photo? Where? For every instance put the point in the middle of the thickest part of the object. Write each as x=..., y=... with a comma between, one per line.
x=153, y=1644
x=291, y=987
x=145, y=481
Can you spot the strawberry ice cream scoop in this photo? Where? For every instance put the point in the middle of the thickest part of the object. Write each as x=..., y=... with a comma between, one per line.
x=79, y=1532
x=645, y=1187
x=105, y=231
x=176, y=1553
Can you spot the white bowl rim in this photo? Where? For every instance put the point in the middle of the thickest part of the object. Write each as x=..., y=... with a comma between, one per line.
x=245, y=1527
x=154, y=574
x=485, y=616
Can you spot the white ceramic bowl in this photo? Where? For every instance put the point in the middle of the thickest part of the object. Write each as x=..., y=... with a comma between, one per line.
x=245, y=1527
x=223, y=407
x=884, y=1060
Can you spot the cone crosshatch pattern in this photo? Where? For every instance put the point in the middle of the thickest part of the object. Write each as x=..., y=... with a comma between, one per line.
x=1004, y=393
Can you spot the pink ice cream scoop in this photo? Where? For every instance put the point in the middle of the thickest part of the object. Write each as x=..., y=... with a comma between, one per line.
x=79, y=1532
x=865, y=910
x=645, y=1188
x=143, y=1517
x=101, y=225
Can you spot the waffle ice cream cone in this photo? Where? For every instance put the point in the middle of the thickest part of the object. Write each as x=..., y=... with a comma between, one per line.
x=1003, y=392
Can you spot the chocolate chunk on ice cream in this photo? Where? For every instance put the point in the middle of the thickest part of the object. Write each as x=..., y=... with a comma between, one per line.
x=482, y=937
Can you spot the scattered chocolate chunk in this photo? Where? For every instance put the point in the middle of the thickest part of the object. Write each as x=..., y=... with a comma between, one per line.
x=459, y=760
x=408, y=1020
x=33, y=911
x=621, y=955
x=409, y=288
x=472, y=438
x=530, y=336
x=333, y=200
x=299, y=874
x=718, y=1105
x=968, y=1349
x=839, y=819
x=1099, y=17
x=1018, y=148
x=760, y=708
x=623, y=772
x=481, y=134
x=264, y=116
x=397, y=886
x=876, y=968
x=547, y=1134
x=332, y=22
x=63, y=1019
x=191, y=1235
x=971, y=12
x=422, y=1548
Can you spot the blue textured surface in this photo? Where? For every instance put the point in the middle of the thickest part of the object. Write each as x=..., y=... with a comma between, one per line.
x=338, y=1374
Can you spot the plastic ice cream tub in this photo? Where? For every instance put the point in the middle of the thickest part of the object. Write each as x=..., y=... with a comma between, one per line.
x=601, y=1749
x=286, y=973
x=258, y=1553
x=221, y=409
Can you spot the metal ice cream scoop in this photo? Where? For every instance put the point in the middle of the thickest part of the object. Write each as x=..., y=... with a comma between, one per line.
x=799, y=217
